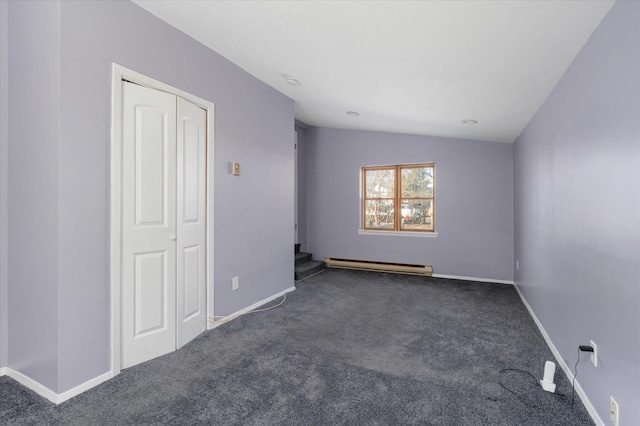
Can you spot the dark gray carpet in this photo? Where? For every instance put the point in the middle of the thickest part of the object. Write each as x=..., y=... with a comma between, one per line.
x=346, y=348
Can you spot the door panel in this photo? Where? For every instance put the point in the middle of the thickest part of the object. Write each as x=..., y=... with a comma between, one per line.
x=148, y=224
x=191, y=220
x=191, y=183
x=191, y=281
x=150, y=292
x=150, y=165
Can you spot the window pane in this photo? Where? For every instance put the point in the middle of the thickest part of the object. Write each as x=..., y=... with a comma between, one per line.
x=379, y=214
x=417, y=215
x=417, y=182
x=380, y=183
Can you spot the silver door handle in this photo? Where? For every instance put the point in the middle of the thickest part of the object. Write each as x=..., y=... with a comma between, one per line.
x=173, y=237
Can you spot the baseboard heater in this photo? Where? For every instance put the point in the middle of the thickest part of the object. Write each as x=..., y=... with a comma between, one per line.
x=364, y=265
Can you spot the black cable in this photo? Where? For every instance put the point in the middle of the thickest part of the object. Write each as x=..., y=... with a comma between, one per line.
x=535, y=381
x=512, y=391
x=573, y=382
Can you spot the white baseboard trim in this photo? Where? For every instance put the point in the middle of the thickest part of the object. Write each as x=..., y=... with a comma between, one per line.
x=250, y=308
x=28, y=382
x=482, y=280
x=51, y=395
x=3, y=371
x=64, y=396
x=567, y=370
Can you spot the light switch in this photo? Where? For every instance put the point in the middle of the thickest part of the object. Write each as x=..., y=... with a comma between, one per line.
x=235, y=169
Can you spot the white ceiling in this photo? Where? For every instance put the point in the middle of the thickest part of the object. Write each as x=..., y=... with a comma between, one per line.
x=417, y=67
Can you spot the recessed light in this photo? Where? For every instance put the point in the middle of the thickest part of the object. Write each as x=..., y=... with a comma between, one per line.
x=353, y=113
x=470, y=121
x=292, y=81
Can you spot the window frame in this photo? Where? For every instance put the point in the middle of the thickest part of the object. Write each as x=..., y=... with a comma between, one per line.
x=397, y=199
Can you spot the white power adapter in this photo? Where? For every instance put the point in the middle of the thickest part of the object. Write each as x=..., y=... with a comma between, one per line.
x=547, y=380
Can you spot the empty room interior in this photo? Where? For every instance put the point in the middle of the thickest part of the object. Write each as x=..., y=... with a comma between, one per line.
x=163, y=165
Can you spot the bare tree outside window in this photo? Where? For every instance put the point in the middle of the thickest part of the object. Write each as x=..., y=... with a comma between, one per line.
x=417, y=196
x=399, y=198
x=380, y=192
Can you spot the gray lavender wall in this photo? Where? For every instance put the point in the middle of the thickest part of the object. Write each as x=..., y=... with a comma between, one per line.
x=577, y=212
x=474, y=210
x=33, y=238
x=4, y=146
x=59, y=281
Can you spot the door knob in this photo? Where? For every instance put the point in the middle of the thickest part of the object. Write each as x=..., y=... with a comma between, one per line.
x=172, y=237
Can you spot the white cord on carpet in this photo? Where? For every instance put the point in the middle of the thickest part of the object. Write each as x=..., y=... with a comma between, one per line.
x=228, y=318
x=312, y=275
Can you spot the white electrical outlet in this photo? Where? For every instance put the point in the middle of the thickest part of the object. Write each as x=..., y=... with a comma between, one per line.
x=594, y=354
x=235, y=283
x=615, y=415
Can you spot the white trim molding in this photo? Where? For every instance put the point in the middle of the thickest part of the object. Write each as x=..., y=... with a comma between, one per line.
x=482, y=280
x=51, y=395
x=398, y=233
x=243, y=311
x=64, y=396
x=3, y=371
x=567, y=370
x=33, y=385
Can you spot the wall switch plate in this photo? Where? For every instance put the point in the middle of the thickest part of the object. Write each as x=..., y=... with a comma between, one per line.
x=235, y=283
x=235, y=169
x=594, y=354
x=615, y=416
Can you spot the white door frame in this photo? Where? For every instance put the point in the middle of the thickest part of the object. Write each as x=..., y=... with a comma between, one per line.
x=295, y=186
x=118, y=74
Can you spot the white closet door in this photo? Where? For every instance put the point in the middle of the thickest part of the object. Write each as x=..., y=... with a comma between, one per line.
x=191, y=266
x=148, y=224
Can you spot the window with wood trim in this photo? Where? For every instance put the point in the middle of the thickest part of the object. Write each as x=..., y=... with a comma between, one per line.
x=399, y=198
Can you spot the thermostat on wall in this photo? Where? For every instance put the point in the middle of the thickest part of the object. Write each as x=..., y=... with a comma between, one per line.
x=235, y=169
